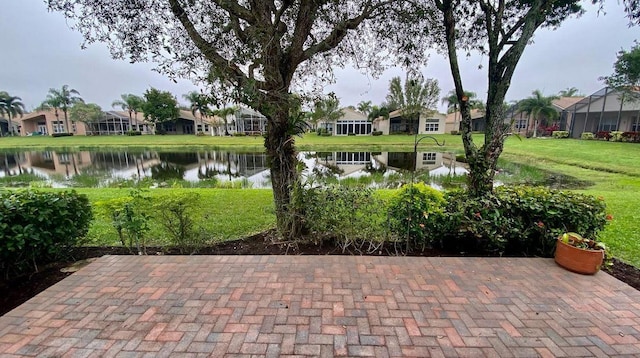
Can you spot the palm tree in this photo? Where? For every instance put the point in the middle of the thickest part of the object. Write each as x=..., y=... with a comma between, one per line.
x=67, y=98
x=130, y=103
x=198, y=102
x=365, y=107
x=51, y=102
x=378, y=111
x=12, y=106
x=224, y=113
x=416, y=95
x=452, y=104
x=327, y=109
x=538, y=106
x=569, y=92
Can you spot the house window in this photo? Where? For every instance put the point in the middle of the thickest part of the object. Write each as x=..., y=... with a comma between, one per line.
x=429, y=158
x=521, y=124
x=353, y=126
x=58, y=127
x=431, y=127
x=635, y=126
x=608, y=125
x=353, y=158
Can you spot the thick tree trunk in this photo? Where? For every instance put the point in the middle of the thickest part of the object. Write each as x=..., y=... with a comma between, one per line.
x=281, y=154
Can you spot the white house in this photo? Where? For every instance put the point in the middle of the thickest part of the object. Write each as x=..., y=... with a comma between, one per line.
x=352, y=122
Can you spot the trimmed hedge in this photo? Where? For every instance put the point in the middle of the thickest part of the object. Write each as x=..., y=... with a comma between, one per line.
x=520, y=220
x=587, y=136
x=376, y=133
x=56, y=135
x=560, y=134
x=39, y=227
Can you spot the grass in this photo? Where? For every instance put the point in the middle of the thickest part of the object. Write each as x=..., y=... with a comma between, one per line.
x=613, y=168
x=224, y=214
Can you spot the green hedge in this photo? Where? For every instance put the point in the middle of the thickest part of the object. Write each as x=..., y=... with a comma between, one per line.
x=560, y=134
x=587, y=135
x=520, y=220
x=38, y=227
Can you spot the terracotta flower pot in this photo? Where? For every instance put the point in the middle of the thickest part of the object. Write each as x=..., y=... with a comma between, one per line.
x=578, y=260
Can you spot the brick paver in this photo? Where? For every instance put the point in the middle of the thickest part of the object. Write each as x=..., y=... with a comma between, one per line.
x=324, y=306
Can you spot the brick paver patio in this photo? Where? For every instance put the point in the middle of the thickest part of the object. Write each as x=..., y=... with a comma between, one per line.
x=126, y=306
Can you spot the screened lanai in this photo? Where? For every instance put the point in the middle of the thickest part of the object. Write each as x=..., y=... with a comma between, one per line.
x=606, y=110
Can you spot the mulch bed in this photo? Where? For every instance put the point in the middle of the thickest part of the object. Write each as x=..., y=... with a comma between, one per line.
x=18, y=290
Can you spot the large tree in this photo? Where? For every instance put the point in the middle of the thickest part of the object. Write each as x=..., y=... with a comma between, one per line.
x=539, y=108
x=500, y=30
x=12, y=106
x=417, y=94
x=89, y=113
x=66, y=98
x=626, y=73
x=159, y=106
x=256, y=49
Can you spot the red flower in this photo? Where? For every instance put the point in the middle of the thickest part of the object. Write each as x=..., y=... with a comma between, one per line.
x=540, y=224
x=478, y=215
x=609, y=217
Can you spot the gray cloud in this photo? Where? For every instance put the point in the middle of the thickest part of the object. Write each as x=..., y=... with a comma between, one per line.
x=40, y=52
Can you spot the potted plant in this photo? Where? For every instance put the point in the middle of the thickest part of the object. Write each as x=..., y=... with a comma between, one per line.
x=578, y=254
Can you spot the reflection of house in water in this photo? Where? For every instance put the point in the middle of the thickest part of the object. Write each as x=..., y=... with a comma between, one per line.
x=49, y=162
x=229, y=164
x=354, y=163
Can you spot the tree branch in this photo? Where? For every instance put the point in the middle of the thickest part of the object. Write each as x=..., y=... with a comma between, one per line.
x=230, y=69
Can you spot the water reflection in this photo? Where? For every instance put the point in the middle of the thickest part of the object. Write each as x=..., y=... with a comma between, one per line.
x=211, y=168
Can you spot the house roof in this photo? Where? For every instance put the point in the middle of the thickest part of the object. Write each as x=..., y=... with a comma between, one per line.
x=350, y=113
x=455, y=116
x=398, y=113
x=49, y=114
x=565, y=102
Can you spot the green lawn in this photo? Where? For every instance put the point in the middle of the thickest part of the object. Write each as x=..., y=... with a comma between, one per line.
x=224, y=214
x=614, y=168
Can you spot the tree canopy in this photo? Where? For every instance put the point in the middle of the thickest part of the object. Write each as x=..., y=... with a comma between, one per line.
x=416, y=95
x=626, y=72
x=159, y=106
x=86, y=112
x=539, y=108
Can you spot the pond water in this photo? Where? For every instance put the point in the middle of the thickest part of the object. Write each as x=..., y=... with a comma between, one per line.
x=218, y=168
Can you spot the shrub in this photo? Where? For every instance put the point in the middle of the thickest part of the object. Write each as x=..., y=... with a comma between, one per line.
x=129, y=217
x=587, y=135
x=201, y=134
x=376, y=133
x=455, y=133
x=239, y=134
x=615, y=136
x=416, y=214
x=560, y=134
x=521, y=220
x=326, y=134
x=56, y=135
x=160, y=131
x=351, y=216
x=603, y=135
x=175, y=212
x=39, y=227
x=351, y=134
x=134, y=133
x=631, y=137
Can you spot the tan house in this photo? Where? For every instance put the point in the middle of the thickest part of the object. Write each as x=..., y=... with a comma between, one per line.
x=478, y=122
x=48, y=122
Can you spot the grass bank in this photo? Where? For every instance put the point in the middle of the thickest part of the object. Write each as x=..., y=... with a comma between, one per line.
x=613, y=168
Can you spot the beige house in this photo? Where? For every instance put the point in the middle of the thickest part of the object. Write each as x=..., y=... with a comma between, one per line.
x=351, y=122
x=522, y=123
x=453, y=120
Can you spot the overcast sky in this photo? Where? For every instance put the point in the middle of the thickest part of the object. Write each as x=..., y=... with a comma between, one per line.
x=40, y=51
